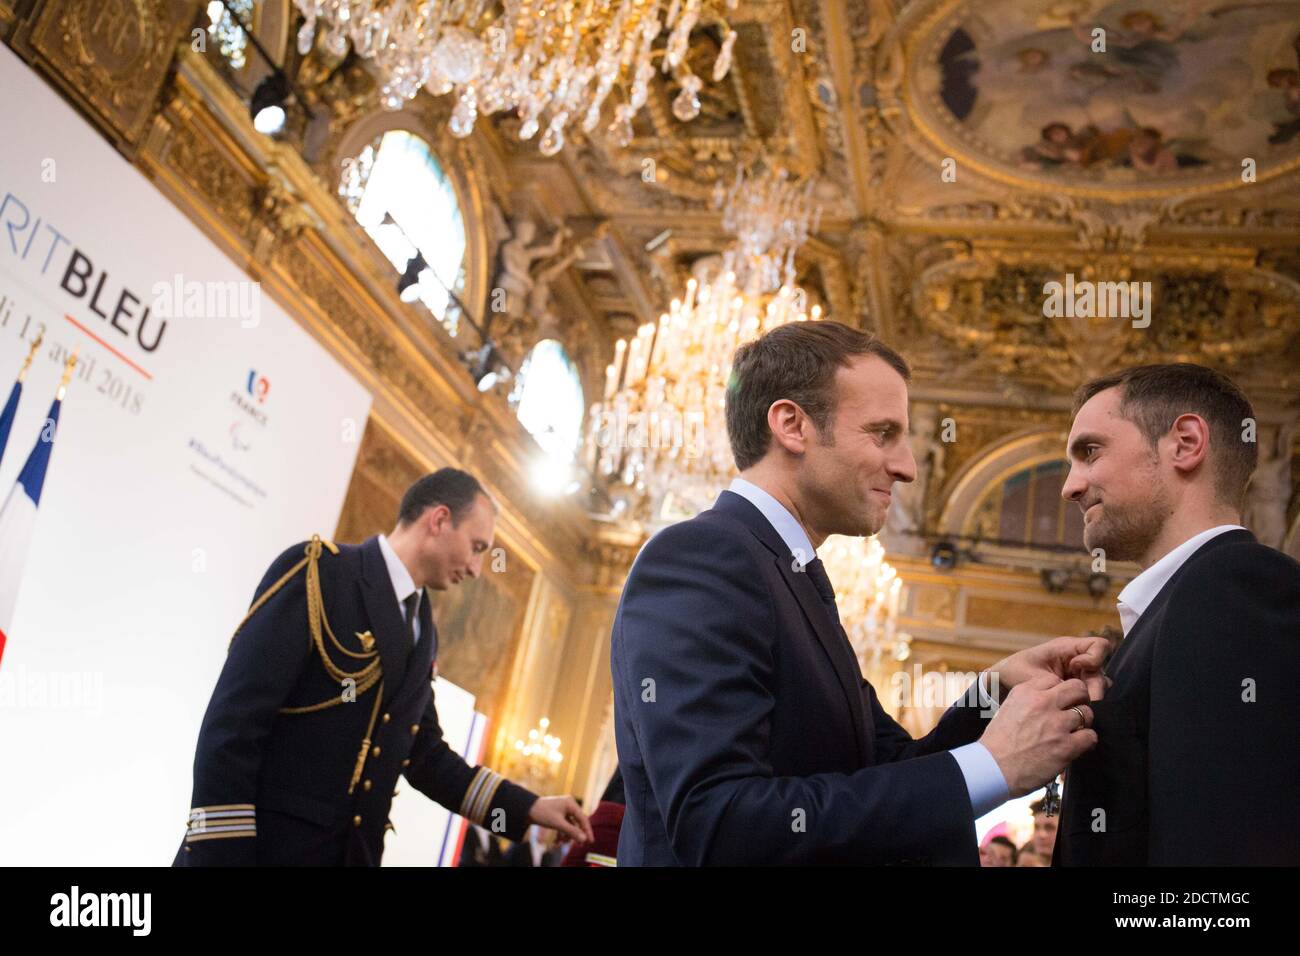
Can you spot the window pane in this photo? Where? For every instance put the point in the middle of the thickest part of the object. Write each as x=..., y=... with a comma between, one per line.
x=1015, y=508
x=550, y=403
x=1027, y=508
x=408, y=203
x=1048, y=479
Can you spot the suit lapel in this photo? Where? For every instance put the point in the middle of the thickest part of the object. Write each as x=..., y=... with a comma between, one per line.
x=385, y=619
x=1141, y=626
x=834, y=641
x=828, y=631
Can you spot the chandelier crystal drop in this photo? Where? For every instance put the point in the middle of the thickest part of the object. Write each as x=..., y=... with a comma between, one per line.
x=555, y=61
x=660, y=430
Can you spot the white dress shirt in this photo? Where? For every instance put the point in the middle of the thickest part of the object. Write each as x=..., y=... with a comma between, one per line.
x=1142, y=590
x=403, y=585
x=984, y=781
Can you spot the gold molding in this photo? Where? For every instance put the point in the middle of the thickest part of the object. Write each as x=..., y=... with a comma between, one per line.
x=110, y=57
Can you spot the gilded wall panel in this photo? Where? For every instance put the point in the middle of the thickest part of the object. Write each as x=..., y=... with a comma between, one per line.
x=111, y=56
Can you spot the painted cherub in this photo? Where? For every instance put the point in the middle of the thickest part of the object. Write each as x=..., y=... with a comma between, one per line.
x=1143, y=50
x=1148, y=153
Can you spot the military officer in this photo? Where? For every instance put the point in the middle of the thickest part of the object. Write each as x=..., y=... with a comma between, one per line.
x=325, y=699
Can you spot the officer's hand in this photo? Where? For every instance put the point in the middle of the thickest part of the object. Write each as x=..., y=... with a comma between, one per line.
x=563, y=815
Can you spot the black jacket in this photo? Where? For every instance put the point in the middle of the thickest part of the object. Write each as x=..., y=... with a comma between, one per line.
x=746, y=732
x=272, y=787
x=1196, y=761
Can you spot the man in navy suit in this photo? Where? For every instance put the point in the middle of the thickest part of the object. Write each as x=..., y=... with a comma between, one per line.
x=746, y=732
x=326, y=699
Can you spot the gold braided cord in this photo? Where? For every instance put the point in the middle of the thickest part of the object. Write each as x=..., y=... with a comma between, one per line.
x=266, y=596
x=318, y=625
x=365, y=742
x=314, y=591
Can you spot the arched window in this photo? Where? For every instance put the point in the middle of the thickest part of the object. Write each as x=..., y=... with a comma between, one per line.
x=549, y=402
x=1027, y=509
x=407, y=204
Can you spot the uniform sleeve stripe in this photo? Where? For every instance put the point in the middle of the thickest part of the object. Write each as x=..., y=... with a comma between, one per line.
x=483, y=800
x=478, y=797
x=221, y=820
x=199, y=837
x=470, y=793
x=239, y=823
x=478, y=806
x=242, y=825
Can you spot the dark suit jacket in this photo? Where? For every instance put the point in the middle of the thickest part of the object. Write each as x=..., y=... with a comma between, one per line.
x=1186, y=770
x=293, y=770
x=746, y=733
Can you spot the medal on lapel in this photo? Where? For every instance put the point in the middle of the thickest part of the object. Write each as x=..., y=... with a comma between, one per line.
x=1052, y=799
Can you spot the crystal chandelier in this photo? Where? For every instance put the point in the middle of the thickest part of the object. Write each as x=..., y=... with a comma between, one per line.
x=867, y=592
x=232, y=42
x=555, y=61
x=537, y=757
x=660, y=430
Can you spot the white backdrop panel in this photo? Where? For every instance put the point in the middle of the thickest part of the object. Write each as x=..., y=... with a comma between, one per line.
x=180, y=471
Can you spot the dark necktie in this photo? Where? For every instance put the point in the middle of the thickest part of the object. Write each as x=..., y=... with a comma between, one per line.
x=816, y=571
x=412, y=609
x=821, y=580
x=412, y=606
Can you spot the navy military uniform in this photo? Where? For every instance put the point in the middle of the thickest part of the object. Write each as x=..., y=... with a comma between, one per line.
x=322, y=703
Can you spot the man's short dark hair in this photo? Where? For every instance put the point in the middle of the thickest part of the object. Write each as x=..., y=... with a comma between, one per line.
x=1153, y=396
x=1006, y=842
x=456, y=489
x=798, y=362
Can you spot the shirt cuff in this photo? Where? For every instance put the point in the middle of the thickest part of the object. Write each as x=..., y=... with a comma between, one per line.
x=984, y=781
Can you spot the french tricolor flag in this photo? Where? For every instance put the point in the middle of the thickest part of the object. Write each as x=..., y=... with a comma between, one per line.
x=18, y=519
x=8, y=414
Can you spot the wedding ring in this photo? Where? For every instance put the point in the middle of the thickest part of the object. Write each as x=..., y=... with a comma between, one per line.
x=1082, y=719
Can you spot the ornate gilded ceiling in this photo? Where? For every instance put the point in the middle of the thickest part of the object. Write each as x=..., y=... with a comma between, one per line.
x=946, y=211
x=965, y=155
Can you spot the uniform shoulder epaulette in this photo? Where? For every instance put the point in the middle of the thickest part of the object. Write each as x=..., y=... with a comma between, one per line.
x=311, y=554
